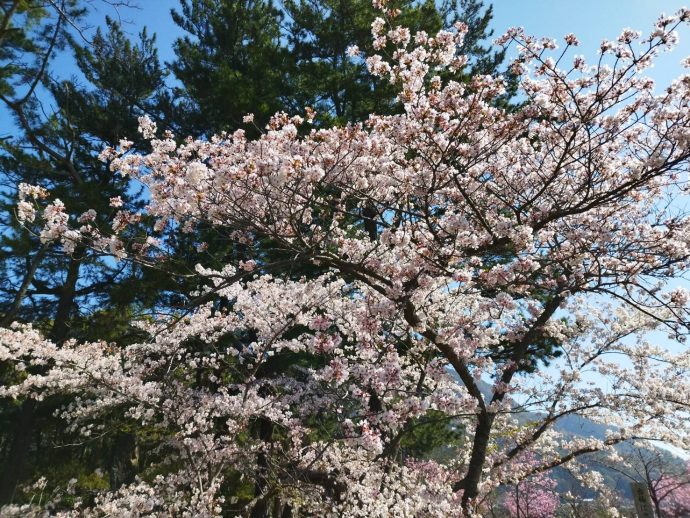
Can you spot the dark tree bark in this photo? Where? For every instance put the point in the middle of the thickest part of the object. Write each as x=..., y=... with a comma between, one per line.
x=123, y=461
x=15, y=464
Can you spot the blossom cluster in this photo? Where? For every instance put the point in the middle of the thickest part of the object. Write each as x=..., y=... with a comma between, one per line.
x=452, y=245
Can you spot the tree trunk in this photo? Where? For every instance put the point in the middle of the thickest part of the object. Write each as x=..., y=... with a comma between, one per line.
x=482, y=434
x=262, y=507
x=124, y=460
x=20, y=444
x=15, y=463
x=60, y=329
x=485, y=420
x=21, y=293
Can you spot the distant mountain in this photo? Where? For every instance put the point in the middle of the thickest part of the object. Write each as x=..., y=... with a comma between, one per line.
x=572, y=426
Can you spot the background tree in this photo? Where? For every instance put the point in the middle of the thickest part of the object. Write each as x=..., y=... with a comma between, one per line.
x=666, y=476
x=534, y=497
x=339, y=88
x=672, y=493
x=61, y=127
x=325, y=77
x=231, y=64
x=260, y=58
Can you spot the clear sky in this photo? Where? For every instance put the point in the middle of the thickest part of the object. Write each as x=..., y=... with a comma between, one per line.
x=593, y=21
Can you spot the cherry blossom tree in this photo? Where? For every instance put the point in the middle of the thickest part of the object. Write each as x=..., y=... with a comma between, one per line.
x=450, y=244
x=671, y=493
x=533, y=498
x=666, y=478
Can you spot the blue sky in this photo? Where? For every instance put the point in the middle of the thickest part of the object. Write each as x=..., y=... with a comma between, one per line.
x=593, y=21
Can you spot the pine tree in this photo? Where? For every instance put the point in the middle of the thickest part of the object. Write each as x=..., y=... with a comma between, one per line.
x=255, y=57
x=61, y=127
x=231, y=63
x=319, y=33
